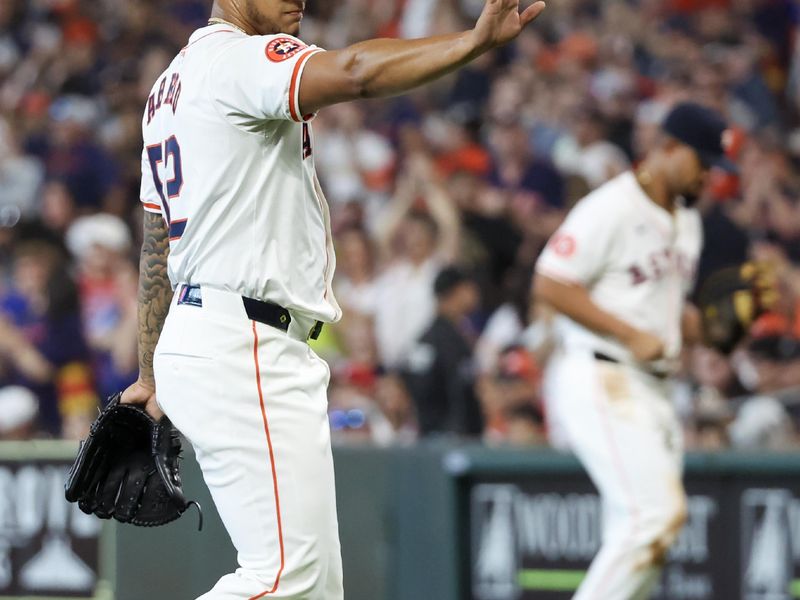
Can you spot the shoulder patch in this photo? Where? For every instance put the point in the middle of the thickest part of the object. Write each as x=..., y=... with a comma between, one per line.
x=563, y=244
x=283, y=48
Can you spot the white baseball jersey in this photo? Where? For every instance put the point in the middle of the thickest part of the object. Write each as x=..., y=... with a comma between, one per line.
x=228, y=162
x=637, y=260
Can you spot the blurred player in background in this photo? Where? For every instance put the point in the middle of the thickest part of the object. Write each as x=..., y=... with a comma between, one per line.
x=618, y=271
x=237, y=225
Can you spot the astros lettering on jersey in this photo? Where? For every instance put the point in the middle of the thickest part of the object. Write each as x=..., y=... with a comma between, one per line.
x=637, y=260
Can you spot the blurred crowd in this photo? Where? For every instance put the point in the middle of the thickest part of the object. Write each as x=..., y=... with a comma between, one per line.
x=440, y=202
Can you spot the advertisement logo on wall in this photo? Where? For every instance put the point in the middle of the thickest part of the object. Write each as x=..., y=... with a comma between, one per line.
x=530, y=543
x=495, y=570
x=48, y=547
x=769, y=520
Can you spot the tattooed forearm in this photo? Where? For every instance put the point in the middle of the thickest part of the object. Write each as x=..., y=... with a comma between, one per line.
x=155, y=291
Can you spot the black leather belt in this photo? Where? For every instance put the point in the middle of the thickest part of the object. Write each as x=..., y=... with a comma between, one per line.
x=605, y=357
x=262, y=311
x=611, y=359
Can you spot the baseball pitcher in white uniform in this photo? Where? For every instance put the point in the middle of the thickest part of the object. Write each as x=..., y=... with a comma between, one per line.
x=236, y=225
x=617, y=271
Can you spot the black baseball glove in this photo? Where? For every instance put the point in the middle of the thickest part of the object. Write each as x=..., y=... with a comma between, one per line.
x=127, y=468
x=731, y=299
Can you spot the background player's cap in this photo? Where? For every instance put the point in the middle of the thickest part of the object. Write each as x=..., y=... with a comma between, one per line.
x=702, y=129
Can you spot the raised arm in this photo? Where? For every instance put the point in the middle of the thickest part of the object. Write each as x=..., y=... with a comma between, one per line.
x=384, y=67
x=155, y=295
x=444, y=212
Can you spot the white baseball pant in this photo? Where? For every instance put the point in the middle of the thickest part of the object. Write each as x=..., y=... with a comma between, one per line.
x=252, y=401
x=619, y=422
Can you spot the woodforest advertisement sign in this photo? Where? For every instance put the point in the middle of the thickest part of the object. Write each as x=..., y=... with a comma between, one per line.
x=535, y=540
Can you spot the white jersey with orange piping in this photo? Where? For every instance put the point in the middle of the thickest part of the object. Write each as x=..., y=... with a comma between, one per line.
x=228, y=161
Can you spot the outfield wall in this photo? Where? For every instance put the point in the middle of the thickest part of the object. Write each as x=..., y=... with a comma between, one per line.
x=424, y=523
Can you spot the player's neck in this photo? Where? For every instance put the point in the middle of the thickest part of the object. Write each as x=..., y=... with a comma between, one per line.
x=655, y=187
x=232, y=18
x=219, y=21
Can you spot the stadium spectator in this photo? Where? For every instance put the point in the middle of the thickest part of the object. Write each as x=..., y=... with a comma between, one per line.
x=394, y=400
x=41, y=343
x=706, y=411
x=107, y=283
x=476, y=170
x=354, y=162
x=587, y=151
x=57, y=210
x=510, y=399
x=440, y=367
x=73, y=155
x=415, y=243
x=762, y=421
x=21, y=175
x=508, y=325
x=355, y=284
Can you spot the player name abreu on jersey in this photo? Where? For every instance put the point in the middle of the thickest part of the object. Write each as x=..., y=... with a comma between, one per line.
x=157, y=99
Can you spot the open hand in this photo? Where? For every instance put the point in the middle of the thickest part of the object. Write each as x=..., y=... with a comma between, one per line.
x=500, y=22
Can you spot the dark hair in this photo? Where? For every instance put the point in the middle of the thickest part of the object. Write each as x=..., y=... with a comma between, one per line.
x=774, y=348
x=448, y=279
x=62, y=294
x=60, y=288
x=517, y=289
